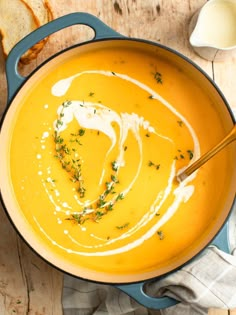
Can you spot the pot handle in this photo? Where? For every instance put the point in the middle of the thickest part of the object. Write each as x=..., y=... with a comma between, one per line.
x=14, y=79
x=136, y=290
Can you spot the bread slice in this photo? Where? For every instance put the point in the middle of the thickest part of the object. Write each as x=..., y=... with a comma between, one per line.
x=42, y=11
x=16, y=21
x=19, y=18
x=39, y=9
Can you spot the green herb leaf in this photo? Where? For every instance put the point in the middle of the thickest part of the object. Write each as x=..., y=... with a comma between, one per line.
x=114, y=165
x=180, y=123
x=151, y=164
x=161, y=235
x=98, y=215
x=114, y=179
x=110, y=206
x=190, y=152
x=81, y=132
x=121, y=227
x=158, y=77
x=120, y=197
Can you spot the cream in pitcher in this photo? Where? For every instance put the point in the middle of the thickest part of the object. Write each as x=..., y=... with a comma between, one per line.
x=213, y=29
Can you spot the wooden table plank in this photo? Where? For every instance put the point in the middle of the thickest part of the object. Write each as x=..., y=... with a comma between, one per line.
x=28, y=285
x=224, y=74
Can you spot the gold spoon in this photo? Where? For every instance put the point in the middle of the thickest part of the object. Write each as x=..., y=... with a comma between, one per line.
x=231, y=136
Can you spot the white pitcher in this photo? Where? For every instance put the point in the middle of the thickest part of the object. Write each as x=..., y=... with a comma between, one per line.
x=213, y=30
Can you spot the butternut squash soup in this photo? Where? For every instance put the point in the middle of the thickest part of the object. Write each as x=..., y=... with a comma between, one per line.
x=96, y=145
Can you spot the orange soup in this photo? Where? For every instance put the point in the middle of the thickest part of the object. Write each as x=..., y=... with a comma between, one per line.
x=95, y=151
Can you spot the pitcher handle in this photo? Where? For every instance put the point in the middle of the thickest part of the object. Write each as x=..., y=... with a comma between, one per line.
x=14, y=79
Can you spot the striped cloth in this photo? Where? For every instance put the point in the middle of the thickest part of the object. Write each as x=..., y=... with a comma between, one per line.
x=209, y=281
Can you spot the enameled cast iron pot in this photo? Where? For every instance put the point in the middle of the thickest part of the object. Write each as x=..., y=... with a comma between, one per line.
x=104, y=36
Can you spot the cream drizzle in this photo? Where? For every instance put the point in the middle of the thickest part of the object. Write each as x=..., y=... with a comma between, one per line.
x=83, y=112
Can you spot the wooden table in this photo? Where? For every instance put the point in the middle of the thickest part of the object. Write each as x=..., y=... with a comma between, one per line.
x=28, y=285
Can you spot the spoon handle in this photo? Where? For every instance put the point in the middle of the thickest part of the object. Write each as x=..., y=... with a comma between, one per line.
x=203, y=159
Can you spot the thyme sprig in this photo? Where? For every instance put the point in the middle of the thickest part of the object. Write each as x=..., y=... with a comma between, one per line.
x=102, y=206
x=72, y=163
x=158, y=77
x=66, y=156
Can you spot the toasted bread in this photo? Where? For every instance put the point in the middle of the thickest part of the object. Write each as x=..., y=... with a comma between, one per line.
x=43, y=13
x=19, y=18
x=16, y=21
x=39, y=9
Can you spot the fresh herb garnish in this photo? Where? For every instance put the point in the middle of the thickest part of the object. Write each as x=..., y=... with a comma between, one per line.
x=77, y=218
x=120, y=197
x=161, y=235
x=98, y=215
x=121, y=227
x=101, y=202
x=66, y=104
x=59, y=123
x=114, y=179
x=151, y=164
x=158, y=77
x=102, y=205
x=190, y=152
x=110, y=206
x=180, y=123
x=81, y=191
x=114, y=166
x=181, y=155
x=68, y=160
x=81, y=132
